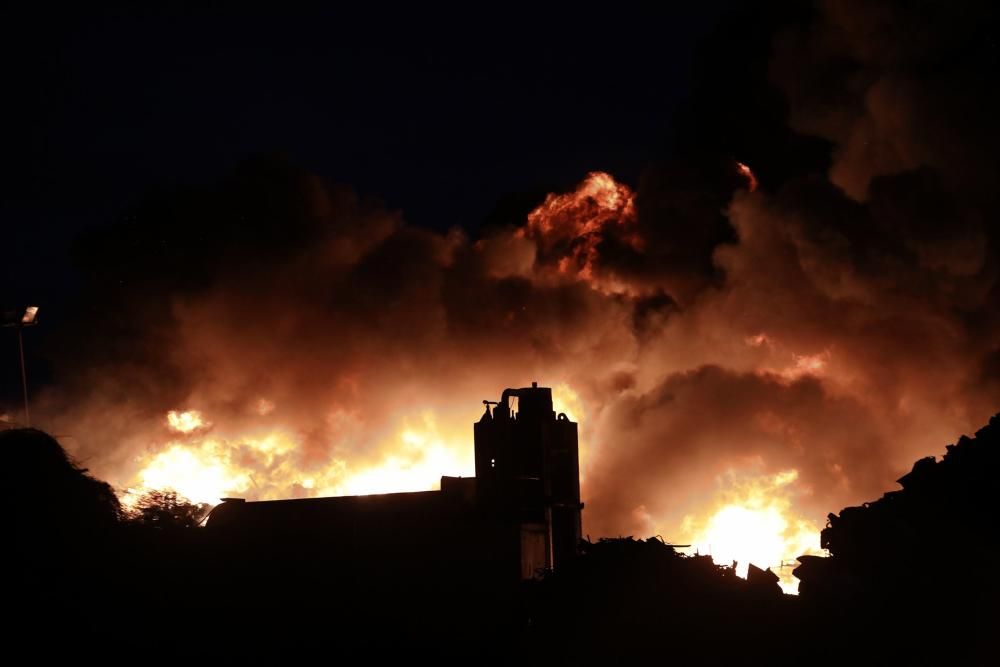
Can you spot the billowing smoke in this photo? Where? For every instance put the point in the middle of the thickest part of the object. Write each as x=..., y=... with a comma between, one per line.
x=793, y=348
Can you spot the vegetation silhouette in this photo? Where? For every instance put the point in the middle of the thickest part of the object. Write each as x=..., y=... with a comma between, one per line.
x=166, y=510
x=61, y=531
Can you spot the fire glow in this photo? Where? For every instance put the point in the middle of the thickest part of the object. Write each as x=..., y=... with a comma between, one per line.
x=753, y=521
x=205, y=468
x=750, y=521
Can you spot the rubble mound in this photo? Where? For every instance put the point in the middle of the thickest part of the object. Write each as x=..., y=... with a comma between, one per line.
x=921, y=558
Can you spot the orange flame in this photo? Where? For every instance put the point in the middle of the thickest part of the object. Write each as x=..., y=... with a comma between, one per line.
x=568, y=228
x=206, y=468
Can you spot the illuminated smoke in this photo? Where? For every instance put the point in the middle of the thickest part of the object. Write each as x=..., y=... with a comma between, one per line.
x=569, y=229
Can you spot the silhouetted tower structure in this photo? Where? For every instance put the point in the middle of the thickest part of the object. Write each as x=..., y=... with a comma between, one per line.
x=528, y=473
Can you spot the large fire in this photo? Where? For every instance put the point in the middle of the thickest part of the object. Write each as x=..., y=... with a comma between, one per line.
x=750, y=520
x=332, y=440
x=204, y=467
x=205, y=455
x=839, y=322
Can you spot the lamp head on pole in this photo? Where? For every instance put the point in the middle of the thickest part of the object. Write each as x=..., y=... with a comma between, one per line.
x=17, y=319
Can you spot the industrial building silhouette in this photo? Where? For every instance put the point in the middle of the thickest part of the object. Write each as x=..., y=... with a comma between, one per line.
x=517, y=518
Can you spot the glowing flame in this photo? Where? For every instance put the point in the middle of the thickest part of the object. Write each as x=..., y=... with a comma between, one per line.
x=587, y=208
x=206, y=468
x=753, y=522
x=568, y=228
x=185, y=422
x=745, y=171
x=270, y=465
x=567, y=401
x=193, y=473
x=416, y=466
x=750, y=521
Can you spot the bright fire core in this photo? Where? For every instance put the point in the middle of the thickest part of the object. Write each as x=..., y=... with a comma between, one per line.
x=753, y=521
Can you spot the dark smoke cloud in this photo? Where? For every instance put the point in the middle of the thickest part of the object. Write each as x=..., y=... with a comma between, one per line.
x=840, y=321
x=897, y=86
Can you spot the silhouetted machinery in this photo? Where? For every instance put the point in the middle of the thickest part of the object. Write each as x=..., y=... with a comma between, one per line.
x=520, y=514
x=528, y=472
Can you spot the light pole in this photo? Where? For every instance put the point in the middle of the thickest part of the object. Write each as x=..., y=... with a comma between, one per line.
x=28, y=319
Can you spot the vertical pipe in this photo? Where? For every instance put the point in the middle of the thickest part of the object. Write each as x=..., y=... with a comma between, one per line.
x=24, y=377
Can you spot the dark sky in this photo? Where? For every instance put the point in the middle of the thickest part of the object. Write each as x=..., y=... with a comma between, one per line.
x=440, y=116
